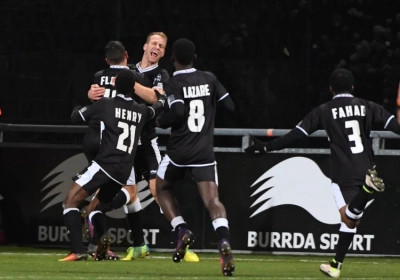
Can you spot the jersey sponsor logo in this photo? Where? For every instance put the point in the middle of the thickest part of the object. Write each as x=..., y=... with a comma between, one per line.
x=59, y=180
x=157, y=79
x=297, y=181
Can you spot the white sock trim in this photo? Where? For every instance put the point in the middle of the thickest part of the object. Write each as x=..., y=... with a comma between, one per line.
x=344, y=228
x=70, y=209
x=352, y=215
x=220, y=222
x=128, y=197
x=94, y=213
x=134, y=207
x=177, y=221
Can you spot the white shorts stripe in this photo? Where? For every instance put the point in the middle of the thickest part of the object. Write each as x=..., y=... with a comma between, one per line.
x=338, y=195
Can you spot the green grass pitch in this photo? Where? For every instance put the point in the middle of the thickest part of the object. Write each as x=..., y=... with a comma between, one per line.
x=37, y=263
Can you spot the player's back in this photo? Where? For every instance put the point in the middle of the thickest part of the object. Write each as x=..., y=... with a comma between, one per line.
x=348, y=121
x=123, y=120
x=192, y=138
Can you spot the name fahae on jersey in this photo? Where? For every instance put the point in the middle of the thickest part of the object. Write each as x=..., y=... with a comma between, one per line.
x=347, y=121
x=192, y=137
x=122, y=122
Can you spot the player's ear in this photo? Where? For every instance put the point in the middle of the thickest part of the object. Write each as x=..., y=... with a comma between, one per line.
x=107, y=61
x=194, y=56
x=126, y=55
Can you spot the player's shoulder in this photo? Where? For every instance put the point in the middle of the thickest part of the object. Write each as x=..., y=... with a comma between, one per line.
x=100, y=73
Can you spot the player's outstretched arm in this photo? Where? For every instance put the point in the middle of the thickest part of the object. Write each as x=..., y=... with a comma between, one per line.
x=260, y=148
x=75, y=116
x=147, y=94
x=393, y=125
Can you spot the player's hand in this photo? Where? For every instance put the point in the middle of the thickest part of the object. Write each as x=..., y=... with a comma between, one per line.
x=96, y=92
x=161, y=97
x=258, y=148
x=159, y=89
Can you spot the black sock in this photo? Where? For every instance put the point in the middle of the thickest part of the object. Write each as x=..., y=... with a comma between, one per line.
x=73, y=222
x=119, y=200
x=135, y=222
x=178, y=227
x=357, y=205
x=222, y=233
x=345, y=239
x=100, y=226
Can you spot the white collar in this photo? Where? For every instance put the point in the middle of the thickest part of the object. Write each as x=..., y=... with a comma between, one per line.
x=141, y=70
x=343, y=95
x=119, y=67
x=185, y=71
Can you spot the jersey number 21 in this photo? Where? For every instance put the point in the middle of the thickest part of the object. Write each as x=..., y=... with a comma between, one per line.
x=127, y=132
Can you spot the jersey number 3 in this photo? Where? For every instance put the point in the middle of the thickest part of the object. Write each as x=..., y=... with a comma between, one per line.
x=127, y=132
x=196, y=115
x=355, y=136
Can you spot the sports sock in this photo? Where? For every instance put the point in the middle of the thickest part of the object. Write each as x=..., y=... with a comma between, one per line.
x=357, y=205
x=134, y=217
x=72, y=219
x=99, y=223
x=120, y=199
x=221, y=228
x=345, y=238
x=135, y=222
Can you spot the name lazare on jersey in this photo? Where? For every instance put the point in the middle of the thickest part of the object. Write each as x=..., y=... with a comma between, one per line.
x=348, y=111
x=196, y=91
x=128, y=115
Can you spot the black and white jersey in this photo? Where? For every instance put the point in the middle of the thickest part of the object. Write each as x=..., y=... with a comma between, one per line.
x=347, y=121
x=152, y=76
x=105, y=78
x=123, y=120
x=191, y=142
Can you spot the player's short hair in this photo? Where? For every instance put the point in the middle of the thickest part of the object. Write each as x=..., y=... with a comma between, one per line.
x=341, y=81
x=161, y=34
x=125, y=81
x=183, y=50
x=115, y=52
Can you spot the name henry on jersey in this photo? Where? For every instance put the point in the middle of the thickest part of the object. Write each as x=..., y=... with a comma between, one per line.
x=348, y=111
x=196, y=91
x=127, y=115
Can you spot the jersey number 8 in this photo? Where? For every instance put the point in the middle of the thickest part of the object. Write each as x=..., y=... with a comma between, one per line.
x=196, y=115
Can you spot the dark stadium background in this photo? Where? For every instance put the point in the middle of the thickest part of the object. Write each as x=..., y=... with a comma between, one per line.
x=274, y=56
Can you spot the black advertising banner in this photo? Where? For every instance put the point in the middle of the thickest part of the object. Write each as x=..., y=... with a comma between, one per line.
x=275, y=203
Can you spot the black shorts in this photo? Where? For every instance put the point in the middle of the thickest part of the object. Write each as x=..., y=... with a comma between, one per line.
x=200, y=173
x=93, y=178
x=344, y=194
x=147, y=159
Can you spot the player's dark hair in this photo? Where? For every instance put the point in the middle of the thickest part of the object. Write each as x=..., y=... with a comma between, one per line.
x=115, y=52
x=124, y=82
x=341, y=81
x=183, y=50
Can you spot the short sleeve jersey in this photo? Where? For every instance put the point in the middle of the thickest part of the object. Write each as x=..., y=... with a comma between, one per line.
x=123, y=121
x=192, y=138
x=347, y=121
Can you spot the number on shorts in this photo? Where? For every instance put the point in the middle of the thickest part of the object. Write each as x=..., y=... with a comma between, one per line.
x=127, y=132
x=196, y=115
x=355, y=136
